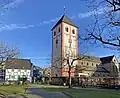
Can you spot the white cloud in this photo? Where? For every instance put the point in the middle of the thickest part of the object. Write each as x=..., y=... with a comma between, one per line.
x=23, y=26
x=11, y=4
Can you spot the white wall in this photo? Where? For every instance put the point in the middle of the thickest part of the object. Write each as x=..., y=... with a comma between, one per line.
x=74, y=38
x=56, y=52
x=12, y=74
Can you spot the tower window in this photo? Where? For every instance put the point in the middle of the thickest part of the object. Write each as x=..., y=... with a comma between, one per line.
x=56, y=41
x=87, y=64
x=66, y=29
x=81, y=62
x=73, y=31
x=54, y=33
x=59, y=29
x=92, y=64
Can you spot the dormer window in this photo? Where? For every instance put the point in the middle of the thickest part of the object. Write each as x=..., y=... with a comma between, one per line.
x=73, y=31
x=66, y=29
x=54, y=33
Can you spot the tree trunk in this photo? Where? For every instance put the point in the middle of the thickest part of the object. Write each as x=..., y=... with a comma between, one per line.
x=69, y=77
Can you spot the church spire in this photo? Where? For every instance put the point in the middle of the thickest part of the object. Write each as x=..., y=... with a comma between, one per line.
x=64, y=11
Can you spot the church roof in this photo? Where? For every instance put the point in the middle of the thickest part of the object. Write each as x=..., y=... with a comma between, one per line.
x=65, y=19
x=107, y=59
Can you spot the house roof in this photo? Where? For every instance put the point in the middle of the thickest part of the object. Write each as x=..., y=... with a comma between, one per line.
x=102, y=69
x=65, y=19
x=14, y=63
x=107, y=59
x=39, y=68
x=90, y=58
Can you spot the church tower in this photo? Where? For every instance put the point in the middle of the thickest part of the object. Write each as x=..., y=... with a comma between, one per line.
x=64, y=41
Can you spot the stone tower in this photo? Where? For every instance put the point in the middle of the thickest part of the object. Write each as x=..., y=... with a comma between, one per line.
x=64, y=41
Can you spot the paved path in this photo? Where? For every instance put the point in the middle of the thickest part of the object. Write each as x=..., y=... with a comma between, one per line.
x=38, y=93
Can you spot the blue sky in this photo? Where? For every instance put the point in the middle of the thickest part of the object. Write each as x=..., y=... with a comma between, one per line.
x=27, y=25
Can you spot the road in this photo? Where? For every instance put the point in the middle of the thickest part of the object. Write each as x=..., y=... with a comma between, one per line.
x=36, y=92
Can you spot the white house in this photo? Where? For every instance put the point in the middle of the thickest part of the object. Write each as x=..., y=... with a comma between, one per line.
x=18, y=68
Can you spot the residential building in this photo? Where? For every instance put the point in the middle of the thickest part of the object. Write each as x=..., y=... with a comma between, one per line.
x=18, y=68
x=38, y=74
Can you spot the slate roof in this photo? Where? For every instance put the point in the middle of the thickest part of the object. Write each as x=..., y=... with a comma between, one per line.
x=65, y=19
x=107, y=59
x=14, y=63
x=102, y=69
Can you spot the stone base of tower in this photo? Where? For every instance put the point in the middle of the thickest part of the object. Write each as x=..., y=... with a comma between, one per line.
x=59, y=76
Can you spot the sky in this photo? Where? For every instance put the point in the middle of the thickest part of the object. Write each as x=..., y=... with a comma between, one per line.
x=26, y=24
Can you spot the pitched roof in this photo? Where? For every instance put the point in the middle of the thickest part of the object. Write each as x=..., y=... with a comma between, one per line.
x=102, y=69
x=65, y=19
x=14, y=63
x=107, y=59
x=90, y=58
x=39, y=68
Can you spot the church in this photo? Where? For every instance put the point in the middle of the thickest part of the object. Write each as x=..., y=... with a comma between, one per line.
x=64, y=44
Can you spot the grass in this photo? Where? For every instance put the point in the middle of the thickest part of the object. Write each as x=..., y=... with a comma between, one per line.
x=12, y=89
x=83, y=93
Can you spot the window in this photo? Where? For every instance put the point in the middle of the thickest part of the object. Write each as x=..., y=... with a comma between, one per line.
x=107, y=75
x=66, y=29
x=56, y=41
x=87, y=64
x=59, y=29
x=92, y=64
x=54, y=33
x=73, y=31
x=13, y=77
x=81, y=62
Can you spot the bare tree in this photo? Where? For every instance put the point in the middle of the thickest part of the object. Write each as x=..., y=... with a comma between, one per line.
x=7, y=52
x=105, y=30
x=68, y=62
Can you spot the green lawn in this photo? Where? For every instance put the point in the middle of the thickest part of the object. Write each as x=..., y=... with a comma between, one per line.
x=12, y=89
x=84, y=93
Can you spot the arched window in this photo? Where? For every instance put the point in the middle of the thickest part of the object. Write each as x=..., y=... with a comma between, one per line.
x=92, y=64
x=66, y=29
x=87, y=64
x=54, y=33
x=73, y=31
